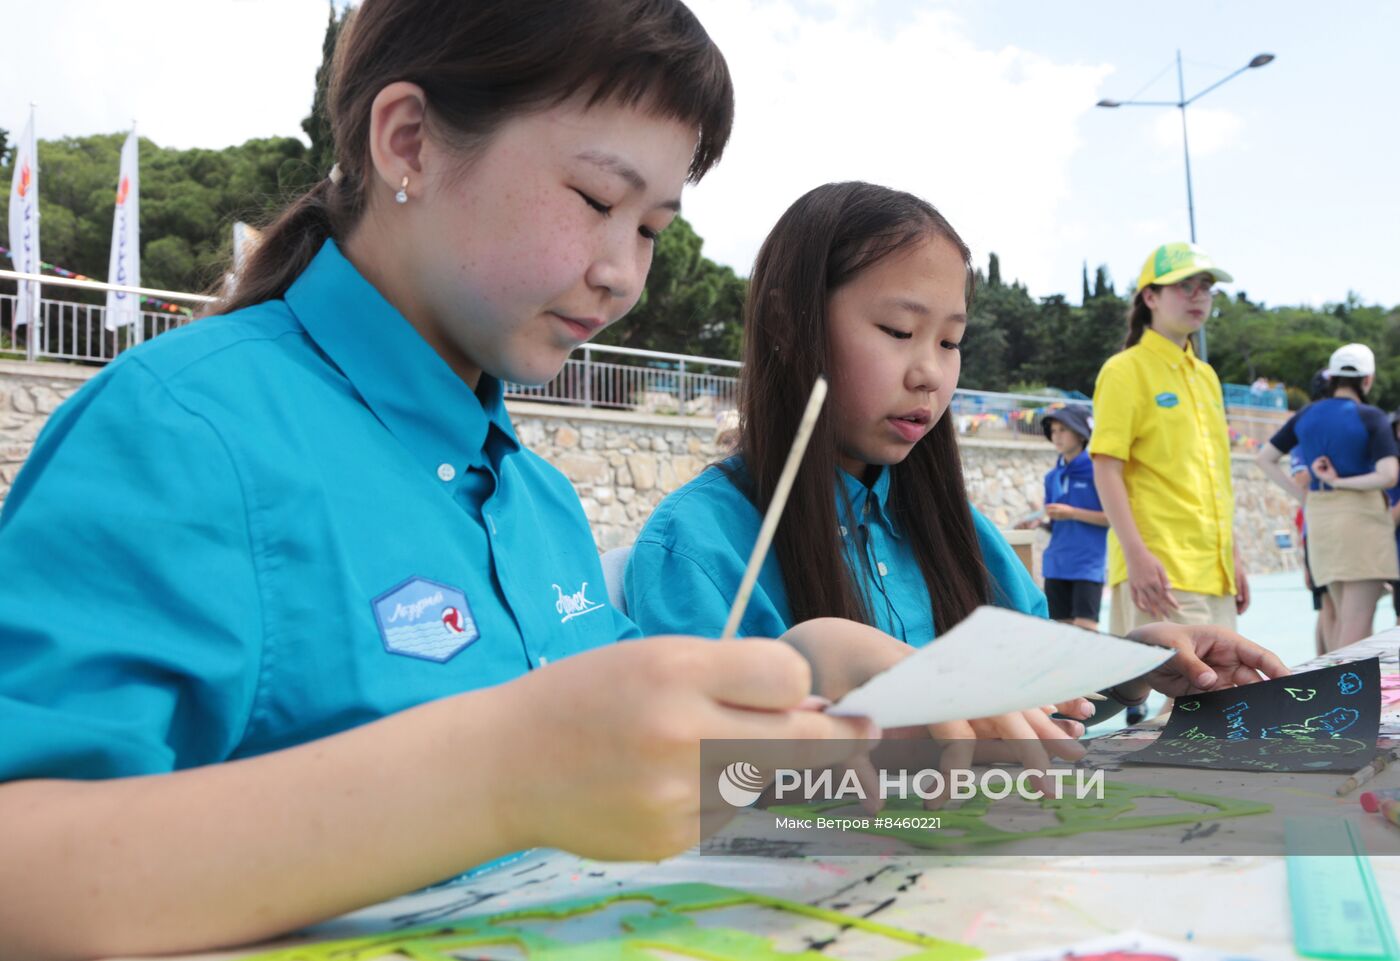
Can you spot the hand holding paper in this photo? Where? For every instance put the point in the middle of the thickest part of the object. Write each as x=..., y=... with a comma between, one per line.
x=996, y=662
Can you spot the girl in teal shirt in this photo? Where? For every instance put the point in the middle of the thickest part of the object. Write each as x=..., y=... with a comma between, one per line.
x=284, y=610
x=870, y=284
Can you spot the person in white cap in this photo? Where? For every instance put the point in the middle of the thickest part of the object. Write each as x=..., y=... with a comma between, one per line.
x=1352, y=458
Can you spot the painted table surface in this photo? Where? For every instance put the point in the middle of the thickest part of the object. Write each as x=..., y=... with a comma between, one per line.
x=1233, y=904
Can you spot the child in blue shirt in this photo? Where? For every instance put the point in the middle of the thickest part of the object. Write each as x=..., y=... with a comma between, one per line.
x=1351, y=453
x=1073, y=563
x=291, y=622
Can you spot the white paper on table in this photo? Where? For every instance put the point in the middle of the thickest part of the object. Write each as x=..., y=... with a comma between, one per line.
x=1124, y=946
x=994, y=662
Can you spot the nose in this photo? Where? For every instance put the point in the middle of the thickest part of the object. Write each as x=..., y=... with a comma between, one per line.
x=619, y=271
x=925, y=374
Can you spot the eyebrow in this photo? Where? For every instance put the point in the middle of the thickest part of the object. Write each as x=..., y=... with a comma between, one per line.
x=914, y=307
x=614, y=164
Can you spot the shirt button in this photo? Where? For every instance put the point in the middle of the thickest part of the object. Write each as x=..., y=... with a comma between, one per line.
x=882, y=568
x=843, y=530
x=543, y=660
x=446, y=472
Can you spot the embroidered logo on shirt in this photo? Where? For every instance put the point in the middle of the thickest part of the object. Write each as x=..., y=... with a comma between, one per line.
x=422, y=618
x=1167, y=399
x=574, y=605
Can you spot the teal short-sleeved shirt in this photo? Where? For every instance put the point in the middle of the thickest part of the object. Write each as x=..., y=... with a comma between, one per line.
x=272, y=526
x=686, y=566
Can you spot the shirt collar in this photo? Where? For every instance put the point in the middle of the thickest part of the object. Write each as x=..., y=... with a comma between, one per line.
x=408, y=386
x=858, y=496
x=1155, y=343
x=1077, y=462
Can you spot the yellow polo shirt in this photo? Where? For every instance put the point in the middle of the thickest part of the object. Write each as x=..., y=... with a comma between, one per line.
x=1160, y=410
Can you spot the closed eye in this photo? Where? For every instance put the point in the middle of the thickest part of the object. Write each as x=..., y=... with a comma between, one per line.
x=896, y=334
x=597, y=205
x=952, y=345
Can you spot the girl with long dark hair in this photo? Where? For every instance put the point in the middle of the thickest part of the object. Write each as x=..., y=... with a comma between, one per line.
x=869, y=286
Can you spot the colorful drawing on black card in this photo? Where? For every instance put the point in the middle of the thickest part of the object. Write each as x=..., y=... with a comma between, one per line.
x=1322, y=720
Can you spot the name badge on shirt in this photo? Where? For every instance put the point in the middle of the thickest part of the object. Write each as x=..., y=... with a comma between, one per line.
x=1167, y=399
x=422, y=618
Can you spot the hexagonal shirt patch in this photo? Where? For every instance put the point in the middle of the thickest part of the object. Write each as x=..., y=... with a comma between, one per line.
x=422, y=618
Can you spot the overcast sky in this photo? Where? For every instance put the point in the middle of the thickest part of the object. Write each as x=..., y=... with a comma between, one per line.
x=984, y=107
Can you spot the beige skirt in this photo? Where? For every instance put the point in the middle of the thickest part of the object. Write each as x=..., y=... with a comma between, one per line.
x=1350, y=537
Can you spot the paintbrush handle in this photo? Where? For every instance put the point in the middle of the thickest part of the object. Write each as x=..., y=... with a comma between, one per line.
x=775, y=508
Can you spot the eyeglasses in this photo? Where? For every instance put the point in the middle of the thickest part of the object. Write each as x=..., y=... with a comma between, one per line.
x=1194, y=286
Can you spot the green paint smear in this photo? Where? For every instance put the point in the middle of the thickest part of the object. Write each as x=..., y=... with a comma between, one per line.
x=965, y=823
x=663, y=923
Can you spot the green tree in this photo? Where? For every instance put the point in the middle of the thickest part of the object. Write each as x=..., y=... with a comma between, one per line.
x=321, y=156
x=690, y=305
x=1103, y=283
x=189, y=200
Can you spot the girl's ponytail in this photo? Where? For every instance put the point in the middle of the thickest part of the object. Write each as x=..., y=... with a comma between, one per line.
x=286, y=246
x=1139, y=319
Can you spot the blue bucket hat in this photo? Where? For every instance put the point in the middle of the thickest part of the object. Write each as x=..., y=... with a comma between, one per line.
x=1073, y=416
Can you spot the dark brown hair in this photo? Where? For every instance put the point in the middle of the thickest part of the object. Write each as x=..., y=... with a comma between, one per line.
x=480, y=63
x=1140, y=318
x=823, y=241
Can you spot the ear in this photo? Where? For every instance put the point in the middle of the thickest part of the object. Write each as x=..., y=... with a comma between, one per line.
x=1151, y=297
x=396, y=135
x=1367, y=381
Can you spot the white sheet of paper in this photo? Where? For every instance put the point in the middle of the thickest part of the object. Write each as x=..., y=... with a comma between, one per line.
x=994, y=662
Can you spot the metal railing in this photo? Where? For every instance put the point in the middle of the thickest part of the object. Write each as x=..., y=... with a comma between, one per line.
x=655, y=382
x=620, y=378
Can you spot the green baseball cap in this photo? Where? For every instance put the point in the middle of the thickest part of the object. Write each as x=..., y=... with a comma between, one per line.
x=1170, y=263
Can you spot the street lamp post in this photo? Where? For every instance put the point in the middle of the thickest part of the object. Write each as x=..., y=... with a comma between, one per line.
x=1181, y=103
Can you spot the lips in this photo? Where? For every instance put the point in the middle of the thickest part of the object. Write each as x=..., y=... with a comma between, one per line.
x=582, y=328
x=911, y=425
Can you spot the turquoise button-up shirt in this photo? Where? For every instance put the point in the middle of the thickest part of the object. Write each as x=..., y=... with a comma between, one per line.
x=272, y=526
x=686, y=566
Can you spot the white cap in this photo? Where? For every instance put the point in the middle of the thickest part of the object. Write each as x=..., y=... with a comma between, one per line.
x=1351, y=360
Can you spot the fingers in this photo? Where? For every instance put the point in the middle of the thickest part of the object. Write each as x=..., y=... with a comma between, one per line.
x=1188, y=665
x=957, y=755
x=750, y=673
x=1165, y=587
x=1259, y=658
x=1078, y=707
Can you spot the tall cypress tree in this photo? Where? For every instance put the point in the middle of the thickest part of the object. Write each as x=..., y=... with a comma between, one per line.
x=317, y=124
x=1103, y=283
x=993, y=270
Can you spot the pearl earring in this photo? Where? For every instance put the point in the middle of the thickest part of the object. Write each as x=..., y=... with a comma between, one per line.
x=402, y=195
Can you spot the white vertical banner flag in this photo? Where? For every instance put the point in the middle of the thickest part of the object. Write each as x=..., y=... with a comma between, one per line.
x=24, y=223
x=125, y=266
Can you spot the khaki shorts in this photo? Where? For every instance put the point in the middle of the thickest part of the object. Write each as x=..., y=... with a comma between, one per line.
x=1196, y=608
x=1350, y=537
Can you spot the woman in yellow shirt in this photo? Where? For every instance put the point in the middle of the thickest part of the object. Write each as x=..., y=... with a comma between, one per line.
x=1161, y=452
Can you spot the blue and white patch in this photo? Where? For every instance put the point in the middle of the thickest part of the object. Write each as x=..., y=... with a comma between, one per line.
x=1167, y=399
x=422, y=618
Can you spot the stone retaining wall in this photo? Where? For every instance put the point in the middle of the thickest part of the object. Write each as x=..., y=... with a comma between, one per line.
x=623, y=463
